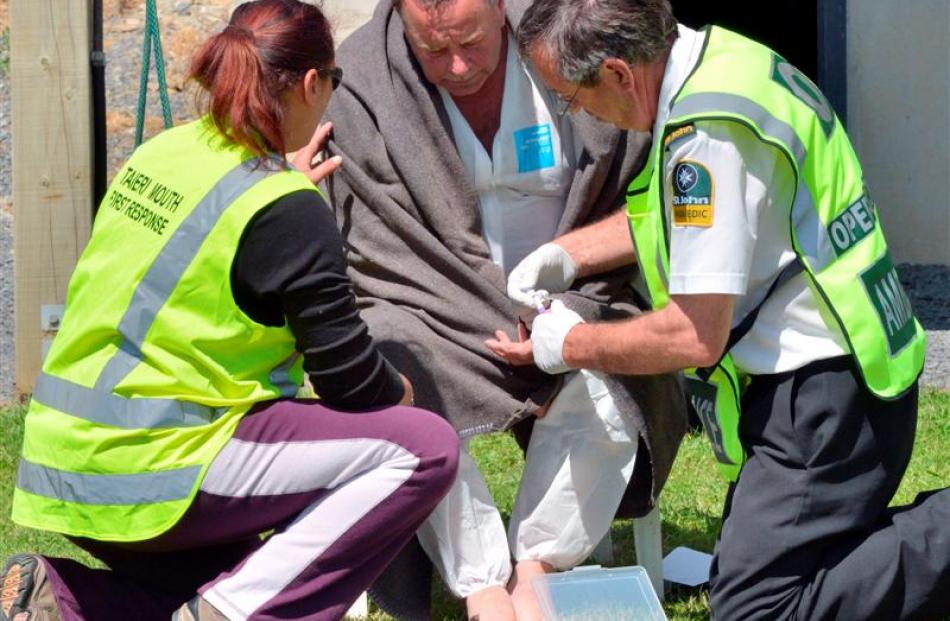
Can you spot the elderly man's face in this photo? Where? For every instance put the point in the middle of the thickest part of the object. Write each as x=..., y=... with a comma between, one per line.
x=458, y=45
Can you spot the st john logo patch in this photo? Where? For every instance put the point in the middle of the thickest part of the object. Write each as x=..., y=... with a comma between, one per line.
x=692, y=195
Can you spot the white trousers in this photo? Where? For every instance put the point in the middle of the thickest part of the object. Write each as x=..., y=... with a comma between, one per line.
x=577, y=467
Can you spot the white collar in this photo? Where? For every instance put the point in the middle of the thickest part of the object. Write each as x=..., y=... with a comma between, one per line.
x=683, y=57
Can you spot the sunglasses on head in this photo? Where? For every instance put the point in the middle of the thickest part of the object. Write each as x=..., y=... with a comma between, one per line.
x=335, y=74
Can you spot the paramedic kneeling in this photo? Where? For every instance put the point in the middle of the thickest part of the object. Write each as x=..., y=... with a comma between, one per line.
x=771, y=284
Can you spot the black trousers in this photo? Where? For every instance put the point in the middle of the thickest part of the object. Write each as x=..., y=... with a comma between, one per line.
x=807, y=534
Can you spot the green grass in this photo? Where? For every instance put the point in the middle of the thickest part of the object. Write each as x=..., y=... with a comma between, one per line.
x=691, y=501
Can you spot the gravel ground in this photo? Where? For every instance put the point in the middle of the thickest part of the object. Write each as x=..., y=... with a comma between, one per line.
x=929, y=289
x=184, y=25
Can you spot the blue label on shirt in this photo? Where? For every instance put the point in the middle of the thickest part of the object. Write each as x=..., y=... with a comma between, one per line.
x=535, y=148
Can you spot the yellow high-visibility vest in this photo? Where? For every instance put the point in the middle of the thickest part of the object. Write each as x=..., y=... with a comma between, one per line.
x=154, y=364
x=833, y=224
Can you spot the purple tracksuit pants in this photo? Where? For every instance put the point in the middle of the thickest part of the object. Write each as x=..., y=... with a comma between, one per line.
x=296, y=517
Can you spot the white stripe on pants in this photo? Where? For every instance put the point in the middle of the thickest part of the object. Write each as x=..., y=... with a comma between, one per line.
x=577, y=467
x=360, y=472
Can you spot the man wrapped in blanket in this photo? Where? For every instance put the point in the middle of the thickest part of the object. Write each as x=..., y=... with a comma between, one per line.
x=457, y=163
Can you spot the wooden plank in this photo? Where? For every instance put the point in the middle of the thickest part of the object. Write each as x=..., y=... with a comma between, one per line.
x=50, y=43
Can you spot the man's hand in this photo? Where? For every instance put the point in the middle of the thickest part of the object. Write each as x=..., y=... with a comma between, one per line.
x=547, y=340
x=304, y=157
x=516, y=353
x=550, y=268
x=547, y=335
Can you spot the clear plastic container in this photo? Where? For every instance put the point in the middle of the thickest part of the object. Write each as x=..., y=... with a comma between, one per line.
x=596, y=594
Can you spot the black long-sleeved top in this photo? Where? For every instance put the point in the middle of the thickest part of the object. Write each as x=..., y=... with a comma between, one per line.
x=289, y=266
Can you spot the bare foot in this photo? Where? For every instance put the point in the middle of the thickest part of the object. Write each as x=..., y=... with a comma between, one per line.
x=522, y=593
x=491, y=604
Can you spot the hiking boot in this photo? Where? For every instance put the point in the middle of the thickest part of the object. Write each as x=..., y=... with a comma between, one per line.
x=198, y=610
x=25, y=593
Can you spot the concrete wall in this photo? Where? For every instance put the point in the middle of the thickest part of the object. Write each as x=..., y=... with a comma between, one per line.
x=347, y=15
x=899, y=119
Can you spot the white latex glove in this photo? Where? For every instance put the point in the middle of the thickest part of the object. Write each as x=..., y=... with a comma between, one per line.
x=548, y=334
x=549, y=267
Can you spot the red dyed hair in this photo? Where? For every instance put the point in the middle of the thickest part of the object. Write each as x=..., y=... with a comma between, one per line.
x=267, y=47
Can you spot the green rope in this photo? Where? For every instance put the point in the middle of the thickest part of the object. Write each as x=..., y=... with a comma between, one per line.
x=153, y=43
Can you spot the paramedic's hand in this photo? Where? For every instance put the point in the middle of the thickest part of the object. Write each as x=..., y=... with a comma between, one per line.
x=549, y=267
x=305, y=156
x=548, y=333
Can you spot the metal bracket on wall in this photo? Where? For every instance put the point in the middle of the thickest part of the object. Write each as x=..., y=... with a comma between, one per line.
x=51, y=317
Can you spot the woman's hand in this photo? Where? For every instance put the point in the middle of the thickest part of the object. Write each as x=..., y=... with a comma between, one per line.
x=304, y=157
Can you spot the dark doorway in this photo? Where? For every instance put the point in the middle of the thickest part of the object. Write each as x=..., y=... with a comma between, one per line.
x=790, y=27
x=810, y=34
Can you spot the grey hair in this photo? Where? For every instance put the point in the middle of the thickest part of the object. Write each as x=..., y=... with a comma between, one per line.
x=579, y=35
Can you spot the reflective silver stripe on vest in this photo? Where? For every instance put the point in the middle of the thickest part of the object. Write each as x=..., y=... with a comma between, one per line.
x=813, y=239
x=280, y=377
x=727, y=102
x=107, y=489
x=126, y=357
x=169, y=266
x=100, y=404
x=106, y=408
x=811, y=233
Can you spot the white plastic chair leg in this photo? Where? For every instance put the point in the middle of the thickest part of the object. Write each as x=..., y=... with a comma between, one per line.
x=649, y=544
x=359, y=609
x=604, y=552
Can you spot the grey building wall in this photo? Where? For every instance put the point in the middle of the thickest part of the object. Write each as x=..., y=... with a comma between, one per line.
x=899, y=119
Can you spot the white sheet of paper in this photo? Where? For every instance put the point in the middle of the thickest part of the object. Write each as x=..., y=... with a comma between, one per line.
x=687, y=566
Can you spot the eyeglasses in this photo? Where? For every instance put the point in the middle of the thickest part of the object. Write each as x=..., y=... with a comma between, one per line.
x=564, y=105
x=335, y=74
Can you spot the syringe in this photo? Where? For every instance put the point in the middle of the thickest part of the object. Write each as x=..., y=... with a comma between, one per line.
x=541, y=300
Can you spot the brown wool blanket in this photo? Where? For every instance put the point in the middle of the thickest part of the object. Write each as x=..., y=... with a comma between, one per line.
x=424, y=277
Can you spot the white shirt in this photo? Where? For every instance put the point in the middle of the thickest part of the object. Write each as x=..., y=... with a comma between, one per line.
x=747, y=241
x=523, y=184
